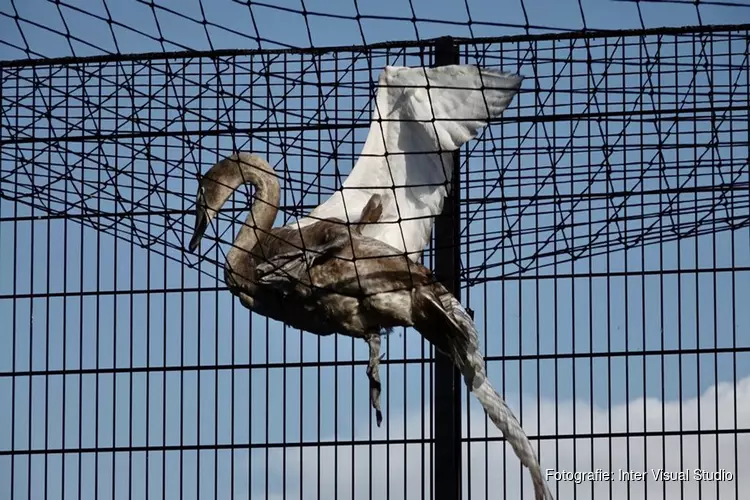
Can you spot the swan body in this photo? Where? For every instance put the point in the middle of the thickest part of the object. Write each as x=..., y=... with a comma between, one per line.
x=421, y=116
x=330, y=277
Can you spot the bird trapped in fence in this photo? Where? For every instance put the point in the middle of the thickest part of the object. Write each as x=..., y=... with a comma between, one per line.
x=329, y=278
x=351, y=267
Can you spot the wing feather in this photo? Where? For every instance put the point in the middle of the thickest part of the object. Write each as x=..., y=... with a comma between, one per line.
x=407, y=156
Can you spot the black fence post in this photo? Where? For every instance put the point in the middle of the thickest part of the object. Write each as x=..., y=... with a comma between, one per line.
x=447, y=376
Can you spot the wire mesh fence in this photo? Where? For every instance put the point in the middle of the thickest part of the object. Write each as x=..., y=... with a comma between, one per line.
x=604, y=248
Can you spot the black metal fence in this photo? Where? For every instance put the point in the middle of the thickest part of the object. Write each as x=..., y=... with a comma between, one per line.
x=603, y=244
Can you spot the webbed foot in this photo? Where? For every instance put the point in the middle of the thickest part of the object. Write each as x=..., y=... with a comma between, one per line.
x=373, y=373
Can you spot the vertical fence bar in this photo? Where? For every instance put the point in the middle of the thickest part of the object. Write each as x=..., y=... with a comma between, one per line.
x=447, y=376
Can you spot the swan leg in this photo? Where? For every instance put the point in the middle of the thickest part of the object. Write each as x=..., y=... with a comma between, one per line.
x=373, y=373
x=246, y=300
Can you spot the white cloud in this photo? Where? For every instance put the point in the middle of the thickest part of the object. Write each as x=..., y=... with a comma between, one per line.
x=399, y=470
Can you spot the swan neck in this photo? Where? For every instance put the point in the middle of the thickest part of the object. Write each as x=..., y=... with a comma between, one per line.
x=262, y=212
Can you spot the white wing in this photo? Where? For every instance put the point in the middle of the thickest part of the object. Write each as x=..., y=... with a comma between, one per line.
x=418, y=127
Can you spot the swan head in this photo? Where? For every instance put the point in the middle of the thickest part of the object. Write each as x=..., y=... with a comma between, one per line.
x=221, y=180
x=214, y=189
x=202, y=220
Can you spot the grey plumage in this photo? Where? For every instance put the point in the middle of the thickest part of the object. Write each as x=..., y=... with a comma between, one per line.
x=328, y=278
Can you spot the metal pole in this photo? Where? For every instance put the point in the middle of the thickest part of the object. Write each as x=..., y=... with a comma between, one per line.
x=447, y=376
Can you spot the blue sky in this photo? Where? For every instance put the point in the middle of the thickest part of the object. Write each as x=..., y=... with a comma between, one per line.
x=302, y=404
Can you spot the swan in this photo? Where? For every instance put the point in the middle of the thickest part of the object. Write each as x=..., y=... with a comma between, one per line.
x=421, y=116
x=330, y=277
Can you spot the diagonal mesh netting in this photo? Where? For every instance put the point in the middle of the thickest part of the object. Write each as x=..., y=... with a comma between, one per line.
x=613, y=142
x=54, y=28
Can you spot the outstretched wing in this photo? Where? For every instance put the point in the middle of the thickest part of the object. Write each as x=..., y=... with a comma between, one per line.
x=421, y=116
x=449, y=327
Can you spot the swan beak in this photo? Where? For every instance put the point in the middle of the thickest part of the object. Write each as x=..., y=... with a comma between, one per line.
x=201, y=223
